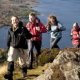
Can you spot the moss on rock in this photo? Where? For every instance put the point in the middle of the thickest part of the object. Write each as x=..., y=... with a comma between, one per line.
x=3, y=54
x=48, y=55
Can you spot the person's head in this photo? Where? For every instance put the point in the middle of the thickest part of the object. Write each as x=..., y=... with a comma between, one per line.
x=14, y=21
x=75, y=26
x=52, y=20
x=32, y=17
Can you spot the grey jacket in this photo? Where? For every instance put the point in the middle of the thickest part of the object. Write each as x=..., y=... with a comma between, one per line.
x=56, y=31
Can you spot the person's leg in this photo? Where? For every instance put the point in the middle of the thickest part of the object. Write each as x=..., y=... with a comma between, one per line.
x=56, y=46
x=24, y=59
x=31, y=55
x=53, y=42
x=10, y=69
x=79, y=46
x=30, y=52
x=38, y=49
x=24, y=70
x=11, y=58
x=75, y=46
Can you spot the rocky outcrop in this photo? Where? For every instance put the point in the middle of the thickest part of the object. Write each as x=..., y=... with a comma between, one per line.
x=3, y=54
x=66, y=66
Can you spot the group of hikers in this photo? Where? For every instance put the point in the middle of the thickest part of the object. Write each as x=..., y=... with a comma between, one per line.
x=22, y=40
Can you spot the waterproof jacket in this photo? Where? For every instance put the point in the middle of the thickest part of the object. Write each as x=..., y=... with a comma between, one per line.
x=32, y=28
x=75, y=37
x=17, y=39
x=56, y=30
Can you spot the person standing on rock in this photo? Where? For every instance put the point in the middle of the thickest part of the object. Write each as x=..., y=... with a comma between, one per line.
x=17, y=46
x=75, y=35
x=36, y=28
x=56, y=29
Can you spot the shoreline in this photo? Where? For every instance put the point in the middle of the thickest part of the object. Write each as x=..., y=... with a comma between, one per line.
x=19, y=8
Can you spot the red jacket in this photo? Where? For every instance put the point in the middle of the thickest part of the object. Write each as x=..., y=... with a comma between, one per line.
x=37, y=34
x=75, y=37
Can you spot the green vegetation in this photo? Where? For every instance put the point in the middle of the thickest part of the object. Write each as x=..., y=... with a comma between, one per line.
x=47, y=56
x=3, y=55
x=33, y=73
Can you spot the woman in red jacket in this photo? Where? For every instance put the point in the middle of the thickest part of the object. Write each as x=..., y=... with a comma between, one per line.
x=75, y=32
x=36, y=28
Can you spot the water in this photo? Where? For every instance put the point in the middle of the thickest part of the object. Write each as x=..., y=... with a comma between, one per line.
x=3, y=37
x=67, y=12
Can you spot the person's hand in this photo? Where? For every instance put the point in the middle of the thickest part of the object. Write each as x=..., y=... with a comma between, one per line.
x=38, y=28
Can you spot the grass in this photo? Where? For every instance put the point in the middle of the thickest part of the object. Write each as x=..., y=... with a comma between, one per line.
x=44, y=59
x=32, y=73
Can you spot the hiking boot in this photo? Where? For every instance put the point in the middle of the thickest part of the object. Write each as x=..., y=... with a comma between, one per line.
x=8, y=76
x=30, y=67
x=24, y=71
x=24, y=75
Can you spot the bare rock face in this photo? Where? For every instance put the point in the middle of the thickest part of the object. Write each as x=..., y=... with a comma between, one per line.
x=66, y=66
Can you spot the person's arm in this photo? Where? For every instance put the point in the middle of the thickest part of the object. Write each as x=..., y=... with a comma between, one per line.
x=8, y=39
x=48, y=27
x=71, y=32
x=28, y=27
x=61, y=27
x=27, y=33
x=39, y=26
x=42, y=28
x=20, y=24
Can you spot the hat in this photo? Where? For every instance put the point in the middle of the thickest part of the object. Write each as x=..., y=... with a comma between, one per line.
x=75, y=24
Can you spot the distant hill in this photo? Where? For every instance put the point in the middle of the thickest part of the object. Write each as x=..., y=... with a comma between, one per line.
x=14, y=7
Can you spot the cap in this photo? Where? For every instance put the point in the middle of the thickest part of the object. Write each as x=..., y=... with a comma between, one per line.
x=75, y=24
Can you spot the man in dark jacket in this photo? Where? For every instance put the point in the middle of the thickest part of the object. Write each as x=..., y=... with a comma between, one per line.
x=17, y=45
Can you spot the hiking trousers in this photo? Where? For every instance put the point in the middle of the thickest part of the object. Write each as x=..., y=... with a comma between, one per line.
x=54, y=42
x=31, y=45
x=18, y=54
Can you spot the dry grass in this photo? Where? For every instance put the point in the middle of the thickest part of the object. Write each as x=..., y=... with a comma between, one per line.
x=33, y=73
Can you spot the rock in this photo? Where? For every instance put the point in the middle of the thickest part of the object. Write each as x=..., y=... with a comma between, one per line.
x=66, y=66
x=3, y=55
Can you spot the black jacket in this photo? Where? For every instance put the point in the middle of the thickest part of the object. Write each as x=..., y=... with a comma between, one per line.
x=17, y=39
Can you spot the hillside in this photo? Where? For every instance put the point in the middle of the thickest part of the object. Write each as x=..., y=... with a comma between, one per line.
x=44, y=62
x=14, y=7
x=53, y=65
